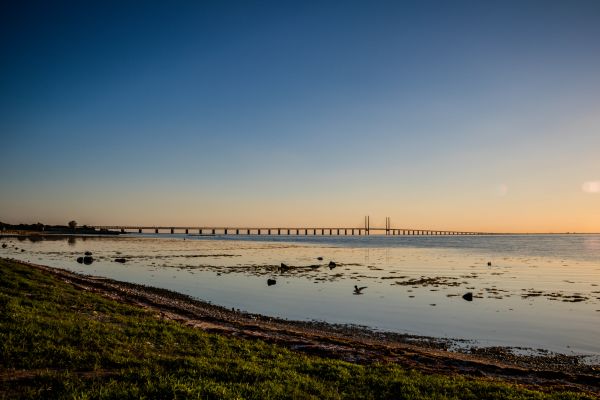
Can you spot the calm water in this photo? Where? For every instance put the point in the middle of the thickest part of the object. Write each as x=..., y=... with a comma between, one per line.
x=542, y=291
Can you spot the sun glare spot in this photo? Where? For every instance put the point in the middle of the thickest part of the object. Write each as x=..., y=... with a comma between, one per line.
x=501, y=189
x=591, y=187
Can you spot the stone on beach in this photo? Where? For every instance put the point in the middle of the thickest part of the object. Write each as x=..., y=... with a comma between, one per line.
x=468, y=296
x=284, y=267
x=120, y=260
x=88, y=253
x=80, y=260
x=320, y=258
x=87, y=260
x=271, y=282
x=332, y=265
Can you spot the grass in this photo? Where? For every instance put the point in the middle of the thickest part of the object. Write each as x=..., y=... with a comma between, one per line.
x=57, y=341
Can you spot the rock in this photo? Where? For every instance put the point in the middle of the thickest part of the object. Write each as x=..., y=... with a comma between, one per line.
x=88, y=253
x=284, y=267
x=80, y=260
x=468, y=296
x=4, y=245
x=489, y=263
x=87, y=260
x=121, y=260
x=22, y=250
x=332, y=265
x=320, y=258
x=271, y=282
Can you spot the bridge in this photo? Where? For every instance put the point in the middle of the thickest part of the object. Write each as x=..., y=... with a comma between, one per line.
x=387, y=230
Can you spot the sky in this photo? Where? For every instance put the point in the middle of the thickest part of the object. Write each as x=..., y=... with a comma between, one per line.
x=478, y=116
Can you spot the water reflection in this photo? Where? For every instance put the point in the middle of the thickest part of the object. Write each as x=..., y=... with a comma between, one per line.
x=523, y=299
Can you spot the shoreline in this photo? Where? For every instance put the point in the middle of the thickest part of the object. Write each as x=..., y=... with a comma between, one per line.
x=350, y=343
x=415, y=291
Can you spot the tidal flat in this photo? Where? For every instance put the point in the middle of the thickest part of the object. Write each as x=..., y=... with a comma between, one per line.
x=540, y=292
x=66, y=335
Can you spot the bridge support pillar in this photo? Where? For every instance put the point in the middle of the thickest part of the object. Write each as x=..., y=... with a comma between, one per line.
x=237, y=231
x=186, y=231
x=225, y=231
x=213, y=231
x=122, y=230
x=268, y=232
x=140, y=230
x=279, y=231
x=200, y=231
x=172, y=231
x=156, y=231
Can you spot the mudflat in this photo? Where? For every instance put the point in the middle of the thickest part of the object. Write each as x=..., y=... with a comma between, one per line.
x=343, y=342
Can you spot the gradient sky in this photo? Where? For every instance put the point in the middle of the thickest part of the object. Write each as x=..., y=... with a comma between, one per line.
x=443, y=115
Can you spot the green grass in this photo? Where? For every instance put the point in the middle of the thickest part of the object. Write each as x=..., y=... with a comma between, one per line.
x=59, y=342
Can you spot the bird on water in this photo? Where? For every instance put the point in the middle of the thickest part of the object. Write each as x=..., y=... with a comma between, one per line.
x=358, y=290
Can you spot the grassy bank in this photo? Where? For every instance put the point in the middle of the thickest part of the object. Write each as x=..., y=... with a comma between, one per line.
x=57, y=341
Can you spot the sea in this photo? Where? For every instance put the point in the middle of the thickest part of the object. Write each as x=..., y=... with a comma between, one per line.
x=538, y=293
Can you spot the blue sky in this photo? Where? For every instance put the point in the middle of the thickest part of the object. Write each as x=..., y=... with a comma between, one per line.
x=464, y=115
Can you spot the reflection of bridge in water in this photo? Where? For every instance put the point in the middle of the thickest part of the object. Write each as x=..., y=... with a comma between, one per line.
x=304, y=231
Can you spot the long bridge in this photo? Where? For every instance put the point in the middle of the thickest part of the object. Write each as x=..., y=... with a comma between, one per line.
x=323, y=231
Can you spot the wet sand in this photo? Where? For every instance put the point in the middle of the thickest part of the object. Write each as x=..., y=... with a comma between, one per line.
x=347, y=342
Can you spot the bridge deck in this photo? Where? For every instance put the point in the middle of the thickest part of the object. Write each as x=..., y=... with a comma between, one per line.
x=225, y=230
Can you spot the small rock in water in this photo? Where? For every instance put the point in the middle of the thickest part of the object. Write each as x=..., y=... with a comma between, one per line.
x=87, y=260
x=332, y=265
x=120, y=260
x=489, y=263
x=4, y=246
x=320, y=258
x=22, y=250
x=88, y=253
x=468, y=296
x=271, y=282
x=80, y=260
x=284, y=267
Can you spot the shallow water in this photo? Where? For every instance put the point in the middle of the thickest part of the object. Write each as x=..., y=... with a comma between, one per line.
x=542, y=291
